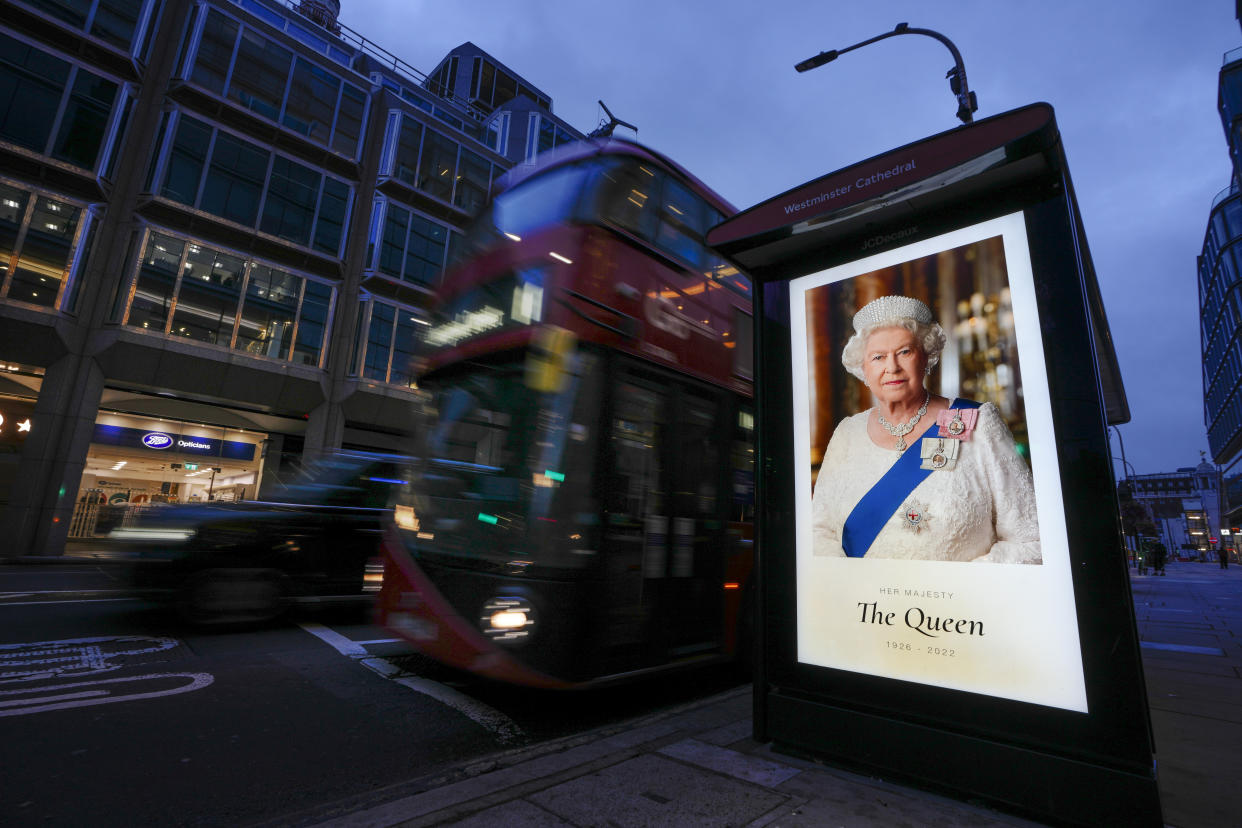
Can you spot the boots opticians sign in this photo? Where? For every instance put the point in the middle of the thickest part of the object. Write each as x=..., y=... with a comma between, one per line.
x=156, y=440
x=111, y=435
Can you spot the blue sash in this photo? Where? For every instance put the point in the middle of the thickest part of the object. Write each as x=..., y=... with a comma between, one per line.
x=888, y=494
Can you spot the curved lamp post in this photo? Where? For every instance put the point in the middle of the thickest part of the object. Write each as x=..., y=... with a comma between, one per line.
x=966, y=102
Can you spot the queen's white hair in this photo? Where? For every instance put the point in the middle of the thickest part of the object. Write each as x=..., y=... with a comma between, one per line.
x=929, y=336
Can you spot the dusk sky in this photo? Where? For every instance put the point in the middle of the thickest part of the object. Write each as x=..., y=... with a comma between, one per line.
x=712, y=85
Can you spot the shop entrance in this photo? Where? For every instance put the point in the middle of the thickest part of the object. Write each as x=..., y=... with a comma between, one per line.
x=140, y=463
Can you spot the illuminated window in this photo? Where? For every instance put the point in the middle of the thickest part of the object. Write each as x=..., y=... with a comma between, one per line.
x=53, y=236
x=192, y=291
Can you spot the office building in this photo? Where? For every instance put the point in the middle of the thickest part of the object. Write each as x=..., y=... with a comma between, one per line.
x=220, y=225
x=1220, y=285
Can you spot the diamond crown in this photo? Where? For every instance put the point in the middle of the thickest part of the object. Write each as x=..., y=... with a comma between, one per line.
x=888, y=308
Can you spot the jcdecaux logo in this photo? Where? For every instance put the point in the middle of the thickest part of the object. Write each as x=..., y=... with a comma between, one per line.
x=156, y=440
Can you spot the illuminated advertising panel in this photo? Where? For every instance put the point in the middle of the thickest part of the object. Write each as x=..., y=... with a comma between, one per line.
x=963, y=577
x=937, y=544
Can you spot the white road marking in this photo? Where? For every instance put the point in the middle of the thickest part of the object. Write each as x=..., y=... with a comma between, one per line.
x=76, y=601
x=507, y=731
x=338, y=642
x=40, y=704
x=25, y=666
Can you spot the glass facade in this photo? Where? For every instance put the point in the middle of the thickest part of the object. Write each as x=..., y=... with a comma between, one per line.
x=491, y=86
x=240, y=63
x=54, y=107
x=1220, y=302
x=544, y=134
x=433, y=162
x=387, y=335
x=259, y=102
x=186, y=289
x=115, y=22
x=244, y=182
x=409, y=247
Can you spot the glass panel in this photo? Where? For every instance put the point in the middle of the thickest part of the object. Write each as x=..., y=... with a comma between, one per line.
x=392, y=246
x=31, y=85
x=157, y=276
x=86, y=118
x=115, y=21
x=403, y=349
x=260, y=75
x=487, y=79
x=547, y=134
x=379, y=342
x=637, y=447
x=235, y=180
x=215, y=50
x=681, y=225
x=349, y=121
x=73, y=12
x=539, y=202
x=120, y=136
x=506, y=88
x=271, y=304
x=424, y=251
x=1233, y=216
x=627, y=198
x=438, y=167
x=185, y=161
x=330, y=226
x=290, y=205
x=405, y=165
x=311, y=323
x=312, y=99
x=45, y=253
x=207, y=301
x=473, y=182
x=12, y=213
x=73, y=288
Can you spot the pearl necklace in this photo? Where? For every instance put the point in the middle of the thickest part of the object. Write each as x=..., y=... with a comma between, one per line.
x=900, y=431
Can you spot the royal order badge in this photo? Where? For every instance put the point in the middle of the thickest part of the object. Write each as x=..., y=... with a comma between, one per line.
x=939, y=454
x=914, y=516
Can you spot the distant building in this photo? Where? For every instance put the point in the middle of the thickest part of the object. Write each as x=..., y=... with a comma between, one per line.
x=220, y=223
x=1185, y=507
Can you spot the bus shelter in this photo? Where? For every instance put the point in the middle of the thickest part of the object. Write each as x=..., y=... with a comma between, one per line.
x=893, y=642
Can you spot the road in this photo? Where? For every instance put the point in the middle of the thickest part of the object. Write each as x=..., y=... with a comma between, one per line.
x=113, y=712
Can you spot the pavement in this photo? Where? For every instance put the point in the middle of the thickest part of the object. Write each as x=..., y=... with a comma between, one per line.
x=699, y=766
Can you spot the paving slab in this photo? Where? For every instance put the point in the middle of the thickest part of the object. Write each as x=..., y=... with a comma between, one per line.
x=652, y=791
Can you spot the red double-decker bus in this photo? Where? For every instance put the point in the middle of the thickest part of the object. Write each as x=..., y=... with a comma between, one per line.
x=581, y=493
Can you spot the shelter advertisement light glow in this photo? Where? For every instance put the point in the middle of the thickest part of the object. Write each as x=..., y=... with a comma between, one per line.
x=1007, y=630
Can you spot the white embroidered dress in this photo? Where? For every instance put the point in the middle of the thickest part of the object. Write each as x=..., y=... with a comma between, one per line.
x=981, y=510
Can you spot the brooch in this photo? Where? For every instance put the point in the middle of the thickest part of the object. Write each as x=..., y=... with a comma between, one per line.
x=915, y=517
x=939, y=453
x=957, y=423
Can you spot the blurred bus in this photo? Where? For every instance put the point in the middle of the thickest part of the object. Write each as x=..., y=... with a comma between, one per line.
x=581, y=500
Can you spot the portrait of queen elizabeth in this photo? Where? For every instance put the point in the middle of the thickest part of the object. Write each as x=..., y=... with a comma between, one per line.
x=919, y=476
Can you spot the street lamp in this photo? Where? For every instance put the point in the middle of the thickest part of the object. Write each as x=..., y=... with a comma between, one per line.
x=966, y=102
x=1126, y=469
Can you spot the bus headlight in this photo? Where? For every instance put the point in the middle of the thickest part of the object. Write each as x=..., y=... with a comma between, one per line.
x=508, y=619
